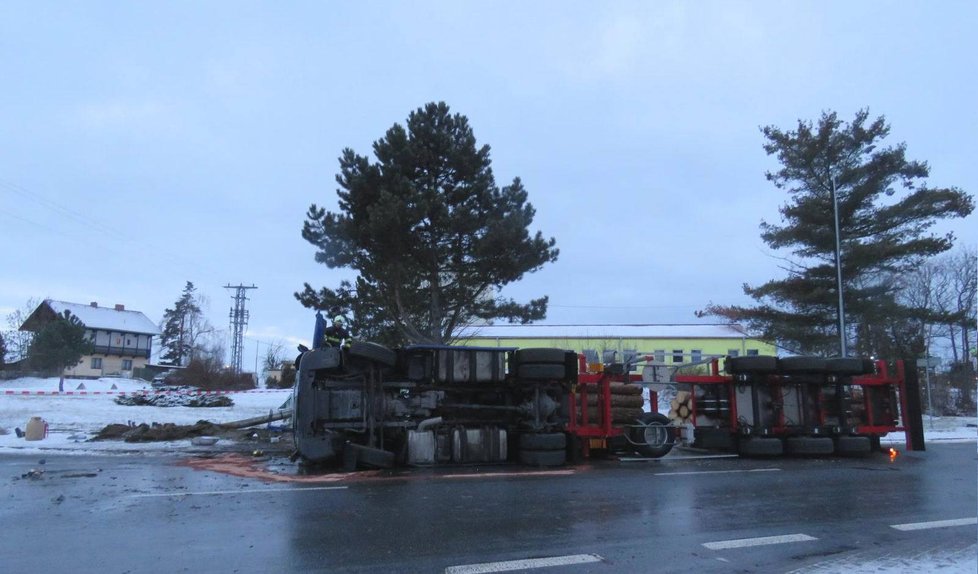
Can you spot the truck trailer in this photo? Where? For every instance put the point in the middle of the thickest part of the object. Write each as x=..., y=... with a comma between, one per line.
x=366, y=405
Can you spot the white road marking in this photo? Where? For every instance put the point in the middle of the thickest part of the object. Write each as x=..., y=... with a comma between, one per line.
x=762, y=541
x=255, y=491
x=527, y=564
x=935, y=524
x=717, y=472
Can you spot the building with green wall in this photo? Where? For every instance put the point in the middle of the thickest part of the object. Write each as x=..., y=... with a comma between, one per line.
x=669, y=344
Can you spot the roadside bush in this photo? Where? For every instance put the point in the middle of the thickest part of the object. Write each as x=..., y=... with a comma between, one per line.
x=286, y=381
x=209, y=375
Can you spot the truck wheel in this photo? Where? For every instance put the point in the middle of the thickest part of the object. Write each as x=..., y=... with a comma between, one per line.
x=358, y=455
x=760, y=447
x=809, y=445
x=540, y=355
x=543, y=457
x=752, y=364
x=802, y=365
x=853, y=445
x=543, y=441
x=850, y=366
x=541, y=372
x=373, y=352
x=652, y=435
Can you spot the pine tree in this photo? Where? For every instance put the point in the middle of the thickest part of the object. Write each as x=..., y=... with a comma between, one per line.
x=59, y=344
x=882, y=236
x=182, y=327
x=431, y=235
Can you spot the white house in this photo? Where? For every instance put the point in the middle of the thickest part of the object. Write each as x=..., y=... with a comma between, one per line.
x=122, y=339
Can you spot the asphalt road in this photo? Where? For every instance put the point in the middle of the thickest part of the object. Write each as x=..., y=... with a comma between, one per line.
x=150, y=514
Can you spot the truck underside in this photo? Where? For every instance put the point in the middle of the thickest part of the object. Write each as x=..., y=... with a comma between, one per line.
x=367, y=405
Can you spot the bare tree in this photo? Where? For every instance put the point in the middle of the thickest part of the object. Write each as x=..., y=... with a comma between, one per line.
x=962, y=272
x=274, y=357
x=18, y=342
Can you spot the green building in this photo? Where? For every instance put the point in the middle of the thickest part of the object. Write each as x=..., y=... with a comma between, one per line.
x=668, y=344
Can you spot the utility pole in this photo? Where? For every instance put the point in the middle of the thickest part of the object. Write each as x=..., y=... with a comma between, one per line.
x=239, y=321
x=838, y=273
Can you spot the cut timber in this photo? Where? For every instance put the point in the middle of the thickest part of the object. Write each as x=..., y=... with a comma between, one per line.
x=255, y=421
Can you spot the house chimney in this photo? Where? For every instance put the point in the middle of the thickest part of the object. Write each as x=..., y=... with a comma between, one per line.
x=94, y=303
x=119, y=307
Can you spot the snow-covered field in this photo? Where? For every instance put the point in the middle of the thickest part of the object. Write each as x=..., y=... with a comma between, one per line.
x=72, y=419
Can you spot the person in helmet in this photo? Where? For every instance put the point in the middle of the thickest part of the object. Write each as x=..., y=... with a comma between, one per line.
x=337, y=333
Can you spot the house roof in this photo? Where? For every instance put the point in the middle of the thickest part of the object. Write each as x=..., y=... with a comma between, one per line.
x=692, y=331
x=93, y=317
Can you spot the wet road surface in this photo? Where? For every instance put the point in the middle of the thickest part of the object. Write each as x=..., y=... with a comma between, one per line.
x=235, y=514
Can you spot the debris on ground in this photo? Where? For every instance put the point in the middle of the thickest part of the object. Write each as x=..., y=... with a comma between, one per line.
x=158, y=432
x=131, y=432
x=189, y=398
x=33, y=474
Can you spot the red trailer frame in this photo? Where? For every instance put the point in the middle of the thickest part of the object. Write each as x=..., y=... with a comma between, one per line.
x=596, y=381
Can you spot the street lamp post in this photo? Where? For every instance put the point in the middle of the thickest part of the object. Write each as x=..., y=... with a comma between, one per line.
x=838, y=274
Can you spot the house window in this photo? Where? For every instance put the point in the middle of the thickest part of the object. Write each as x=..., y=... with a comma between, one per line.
x=751, y=352
x=733, y=352
x=126, y=364
x=677, y=355
x=96, y=362
x=128, y=342
x=660, y=355
x=696, y=355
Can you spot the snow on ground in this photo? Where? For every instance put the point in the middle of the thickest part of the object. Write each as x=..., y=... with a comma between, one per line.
x=964, y=561
x=941, y=429
x=72, y=419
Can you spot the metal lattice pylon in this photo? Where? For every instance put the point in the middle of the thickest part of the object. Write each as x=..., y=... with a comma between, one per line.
x=239, y=322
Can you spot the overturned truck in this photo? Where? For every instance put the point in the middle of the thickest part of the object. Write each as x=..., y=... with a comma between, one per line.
x=371, y=406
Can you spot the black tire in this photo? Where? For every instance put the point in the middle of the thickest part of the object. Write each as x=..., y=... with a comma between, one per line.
x=625, y=389
x=543, y=457
x=802, y=365
x=853, y=445
x=355, y=455
x=543, y=441
x=809, y=445
x=540, y=355
x=541, y=372
x=850, y=366
x=627, y=401
x=752, y=364
x=760, y=447
x=874, y=443
x=373, y=352
x=652, y=435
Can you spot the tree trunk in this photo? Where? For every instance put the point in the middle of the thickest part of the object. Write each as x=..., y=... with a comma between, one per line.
x=954, y=342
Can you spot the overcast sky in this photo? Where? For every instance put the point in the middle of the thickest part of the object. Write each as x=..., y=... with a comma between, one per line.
x=144, y=144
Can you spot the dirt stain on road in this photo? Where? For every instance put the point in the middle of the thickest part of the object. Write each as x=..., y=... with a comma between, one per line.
x=248, y=467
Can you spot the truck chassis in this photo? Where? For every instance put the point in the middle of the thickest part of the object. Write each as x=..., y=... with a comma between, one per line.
x=365, y=405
